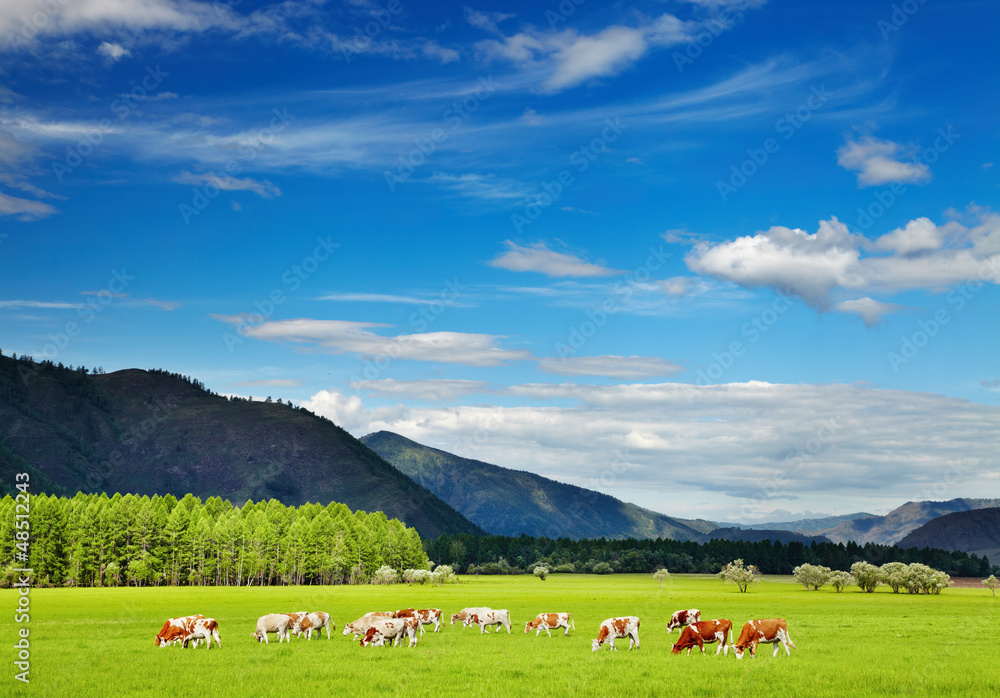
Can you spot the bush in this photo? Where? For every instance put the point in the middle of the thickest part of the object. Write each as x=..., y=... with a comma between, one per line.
x=812, y=576
x=992, y=583
x=894, y=575
x=541, y=572
x=565, y=568
x=661, y=575
x=741, y=576
x=865, y=576
x=840, y=580
x=489, y=568
x=444, y=574
x=416, y=576
x=601, y=568
x=385, y=575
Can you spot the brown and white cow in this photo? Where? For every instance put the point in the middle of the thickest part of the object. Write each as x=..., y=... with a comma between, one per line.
x=390, y=629
x=173, y=630
x=499, y=617
x=361, y=625
x=682, y=618
x=464, y=614
x=426, y=616
x=313, y=621
x=272, y=623
x=549, y=621
x=612, y=628
x=203, y=628
x=705, y=631
x=770, y=631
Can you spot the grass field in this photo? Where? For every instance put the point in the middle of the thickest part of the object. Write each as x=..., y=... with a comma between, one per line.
x=100, y=641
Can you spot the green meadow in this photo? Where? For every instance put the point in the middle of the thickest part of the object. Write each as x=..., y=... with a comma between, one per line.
x=100, y=641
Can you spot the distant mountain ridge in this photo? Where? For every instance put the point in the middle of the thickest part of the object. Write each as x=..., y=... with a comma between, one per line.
x=151, y=432
x=758, y=535
x=512, y=502
x=976, y=532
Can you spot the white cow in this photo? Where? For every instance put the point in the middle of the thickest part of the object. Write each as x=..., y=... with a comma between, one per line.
x=549, y=621
x=390, y=629
x=272, y=623
x=207, y=628
x=361, y=625
x=464, y=614
x=426, y=616
x=627, y=626
x=313, y=621
x=499, y=617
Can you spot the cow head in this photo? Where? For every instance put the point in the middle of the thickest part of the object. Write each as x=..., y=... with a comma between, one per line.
x=369, y=637
x=457, y=617
x=595, y=645
x=738, y=650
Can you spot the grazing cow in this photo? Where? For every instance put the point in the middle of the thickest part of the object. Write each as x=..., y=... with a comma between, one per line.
x=499, y=617
x=390, y=629
x=296, y=618
x=627, y=626
x=173, y=630
x=313, y=621
x=697, y=634
x=464, y=614
x=272, y=623
x=361, y=625
x=682, y=618
x=206, y=628
x=426, y=616
x=549, y=621
x=770, y=631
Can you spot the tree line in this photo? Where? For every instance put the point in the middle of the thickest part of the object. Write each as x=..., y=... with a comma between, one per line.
x=97, y=540
x=510, y=555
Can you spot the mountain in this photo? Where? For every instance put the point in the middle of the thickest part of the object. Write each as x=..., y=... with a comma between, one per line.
x=757, y=535
x=151, y=432
x=894, y=526
x=512, y=502
x=806, y=526
x=975, y=532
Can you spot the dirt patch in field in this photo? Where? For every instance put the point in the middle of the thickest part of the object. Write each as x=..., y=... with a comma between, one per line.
x=968, y=583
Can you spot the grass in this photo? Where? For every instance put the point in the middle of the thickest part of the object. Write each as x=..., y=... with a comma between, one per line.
x=100, y=641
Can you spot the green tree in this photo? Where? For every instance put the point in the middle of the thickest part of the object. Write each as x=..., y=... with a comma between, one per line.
x=661, y=575
x=741, y=575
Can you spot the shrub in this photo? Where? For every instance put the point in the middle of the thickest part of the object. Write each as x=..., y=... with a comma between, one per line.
x=565, y=568
x=740, y=575
x=866, y=575
x=385, y=575
x=541, y=572
x=444, y=574
x=412, y=576
x=841, y=579
x=601, y=568
x=894, y=575
x=661, y=575
x=812, y=576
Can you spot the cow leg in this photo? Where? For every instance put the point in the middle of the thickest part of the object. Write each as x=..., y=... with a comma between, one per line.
x=776, y=648
x=611, y=643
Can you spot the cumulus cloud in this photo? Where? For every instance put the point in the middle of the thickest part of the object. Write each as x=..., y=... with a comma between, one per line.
x=722, y=451
x=621, y=367
x=539, y=258
x=113, y=52
x=833, y=261
x=341, y=336
x=879, y=162
x=870, y=311
x=345, y=411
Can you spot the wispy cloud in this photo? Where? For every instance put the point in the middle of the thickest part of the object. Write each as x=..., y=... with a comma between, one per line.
x=880, y=162
x=539, y=258
x=262, y=188
x=621, y=367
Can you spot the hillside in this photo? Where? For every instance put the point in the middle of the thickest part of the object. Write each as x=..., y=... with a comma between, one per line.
x=807, y=526
x=150, y=432
x=894, y=526
x=758, y=535
x=512, y=502
x=975, y=532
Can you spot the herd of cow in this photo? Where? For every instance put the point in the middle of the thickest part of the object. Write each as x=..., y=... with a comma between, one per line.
x=377, y=628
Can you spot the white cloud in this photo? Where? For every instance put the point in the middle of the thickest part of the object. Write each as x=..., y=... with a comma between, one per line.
x=113, y=52
x=486, y=187
x=262, y=188
x=676, y=286
x=539, y=258
x=870, y=311
x=717, y=451
x=532, y=117
x=345, y=411
x=621, y=367
x=878, y=162
x=487, y=21
x=24, y=209
x=341, y=336
x=47, y=305
x=430, y=390
x=832, y=260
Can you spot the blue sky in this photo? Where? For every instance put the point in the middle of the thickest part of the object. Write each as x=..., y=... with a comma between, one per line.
x=721, y=258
